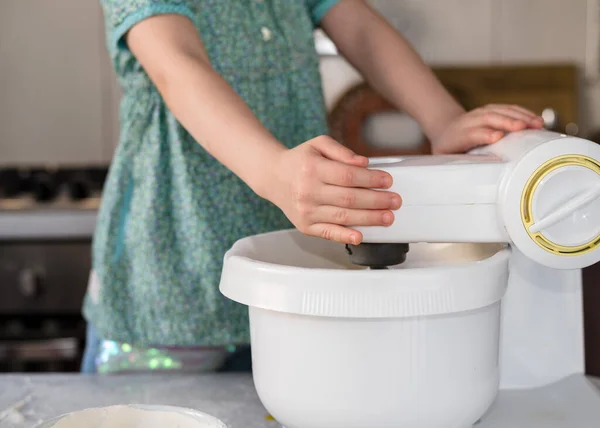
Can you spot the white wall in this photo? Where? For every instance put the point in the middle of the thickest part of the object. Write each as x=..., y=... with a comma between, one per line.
x=55, y=83
x=492, y=32
x=59, y=100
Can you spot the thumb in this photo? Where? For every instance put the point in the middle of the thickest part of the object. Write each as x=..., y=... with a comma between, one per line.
x=334, y=151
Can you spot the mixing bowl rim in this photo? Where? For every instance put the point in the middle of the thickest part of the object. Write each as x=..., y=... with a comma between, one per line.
x=233, y=254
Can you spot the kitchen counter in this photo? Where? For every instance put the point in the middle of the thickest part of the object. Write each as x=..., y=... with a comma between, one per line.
x=231, y=398
x=26, y=400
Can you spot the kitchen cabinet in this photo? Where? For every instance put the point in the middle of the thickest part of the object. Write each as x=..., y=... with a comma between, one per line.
x=55, y=83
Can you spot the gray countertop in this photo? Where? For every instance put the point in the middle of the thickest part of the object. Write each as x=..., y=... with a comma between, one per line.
x=26, y=400
x=231, y=398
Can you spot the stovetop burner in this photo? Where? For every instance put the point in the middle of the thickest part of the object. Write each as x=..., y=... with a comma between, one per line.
x=31, y=188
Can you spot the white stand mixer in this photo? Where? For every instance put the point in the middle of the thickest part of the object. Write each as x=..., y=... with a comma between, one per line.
x=417, y=345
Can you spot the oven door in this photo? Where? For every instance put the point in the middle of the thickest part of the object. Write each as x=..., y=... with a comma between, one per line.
x=42, y=286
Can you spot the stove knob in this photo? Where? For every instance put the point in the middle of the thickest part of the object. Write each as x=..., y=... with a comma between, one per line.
x=12, y=183
x=15, y=328
x=30, y=283
x=45, y=187
x=79, y=189
x=50, y=328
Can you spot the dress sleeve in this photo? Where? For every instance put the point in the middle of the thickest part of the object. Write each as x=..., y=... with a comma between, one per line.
x=319, y=8
x=121, y=15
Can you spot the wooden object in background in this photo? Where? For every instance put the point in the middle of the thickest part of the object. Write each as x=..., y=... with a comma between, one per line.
x=348, y=118
x=534, y=87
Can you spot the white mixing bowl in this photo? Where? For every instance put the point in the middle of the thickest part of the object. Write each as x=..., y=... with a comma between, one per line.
x=335, y=346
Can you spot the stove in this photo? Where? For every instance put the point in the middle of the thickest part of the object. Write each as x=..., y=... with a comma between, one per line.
x=47, y=219
x=50, y=203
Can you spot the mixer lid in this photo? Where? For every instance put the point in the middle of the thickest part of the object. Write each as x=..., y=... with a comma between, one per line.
x=551, y=204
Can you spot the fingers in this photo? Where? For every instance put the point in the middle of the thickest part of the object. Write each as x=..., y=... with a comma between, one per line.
x=333, y=190
x=351, y=217
x=348, y=168
x=518, y=108
x=338, y=174
x=358, y=198
x=484, y=136
x=505, y=118
x=334, y=151
x=496, y=120
x=335, y=233
x=519, y=113
x=487, y=125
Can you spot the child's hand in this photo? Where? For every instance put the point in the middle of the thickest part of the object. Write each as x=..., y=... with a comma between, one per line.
x=483, y=126
x=324, y=188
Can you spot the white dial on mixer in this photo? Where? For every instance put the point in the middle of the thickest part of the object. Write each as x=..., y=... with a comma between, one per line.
x=550, y=203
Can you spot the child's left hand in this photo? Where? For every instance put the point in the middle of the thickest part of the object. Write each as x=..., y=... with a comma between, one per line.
x=482, y=126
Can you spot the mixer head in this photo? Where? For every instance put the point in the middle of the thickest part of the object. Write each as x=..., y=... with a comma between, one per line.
x=536, y=190
x=377, y=255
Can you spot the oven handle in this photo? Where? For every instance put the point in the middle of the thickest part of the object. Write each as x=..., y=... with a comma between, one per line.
x=40, y=350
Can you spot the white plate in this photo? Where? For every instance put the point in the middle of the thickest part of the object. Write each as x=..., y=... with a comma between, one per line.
x=143, y=419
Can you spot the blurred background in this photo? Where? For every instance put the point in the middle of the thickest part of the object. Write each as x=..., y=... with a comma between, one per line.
x=59, y=127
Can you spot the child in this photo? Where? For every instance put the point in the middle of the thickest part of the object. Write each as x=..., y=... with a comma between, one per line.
x=223, y=125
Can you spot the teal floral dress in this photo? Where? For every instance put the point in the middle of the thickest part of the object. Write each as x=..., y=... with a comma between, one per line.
x=169, y=209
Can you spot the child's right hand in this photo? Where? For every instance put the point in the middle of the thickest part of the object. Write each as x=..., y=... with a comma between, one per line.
x=325, y=189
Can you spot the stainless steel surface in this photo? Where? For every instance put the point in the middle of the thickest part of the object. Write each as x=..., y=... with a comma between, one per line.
x=61, y=204
x=49, y=203
x=68, y=224
x=47, y=350
x=27, y=400
x=43, y=350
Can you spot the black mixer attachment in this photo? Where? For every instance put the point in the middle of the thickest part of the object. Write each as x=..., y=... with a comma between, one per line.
x=377, y=256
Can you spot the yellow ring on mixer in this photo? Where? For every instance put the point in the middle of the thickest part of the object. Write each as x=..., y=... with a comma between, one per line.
x=527, y=204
